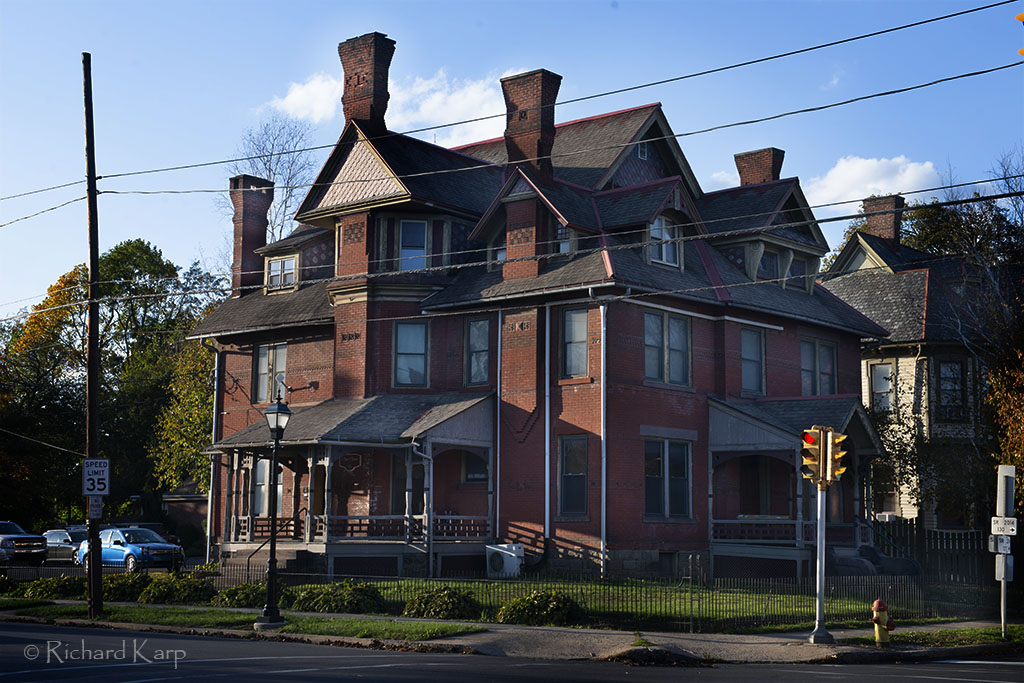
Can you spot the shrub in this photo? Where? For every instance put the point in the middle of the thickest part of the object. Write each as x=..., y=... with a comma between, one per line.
x=540, y=608
x=57, y=588
x=349, y=597
x=125, y=587
x=242, y=595
x=446, y=602
x=9, y=587
x=178, y=589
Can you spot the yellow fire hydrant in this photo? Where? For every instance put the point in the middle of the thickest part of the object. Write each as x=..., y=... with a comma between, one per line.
x=883, y=624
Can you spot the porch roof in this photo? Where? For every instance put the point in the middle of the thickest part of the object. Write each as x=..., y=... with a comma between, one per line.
x=386, y=419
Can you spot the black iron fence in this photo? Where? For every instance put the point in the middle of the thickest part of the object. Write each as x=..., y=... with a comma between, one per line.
x=680, y=604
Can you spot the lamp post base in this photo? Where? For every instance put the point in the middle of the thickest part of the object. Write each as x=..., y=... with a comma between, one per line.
x=819, y=636
x=269, y=623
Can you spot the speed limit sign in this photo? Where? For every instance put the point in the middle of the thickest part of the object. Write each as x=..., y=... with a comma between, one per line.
x=96, y=477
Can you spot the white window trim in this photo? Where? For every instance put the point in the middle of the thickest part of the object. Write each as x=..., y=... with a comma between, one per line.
x=295, y=273
x=272, y=371
x=666, y=226
x=642, y=151
x=893, y=406
x=563, y=374
x=467, y=368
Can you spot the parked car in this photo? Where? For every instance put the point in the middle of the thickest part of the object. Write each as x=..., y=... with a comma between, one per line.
x=25, y=547
x=62, y=544
x=134, y=548
x=5, y=561
x=158, y=527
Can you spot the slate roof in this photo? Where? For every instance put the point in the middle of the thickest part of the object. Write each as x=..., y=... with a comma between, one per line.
x=894, y=301
x=296, y=238
x=629, y=206
x=307, y=305
x=750, y=206
x=598, y=140
x=381, y=419
x=894, y=257
x=797, y=414
x=573, y=203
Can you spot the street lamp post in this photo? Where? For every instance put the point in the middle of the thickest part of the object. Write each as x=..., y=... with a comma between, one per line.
x=277, y=415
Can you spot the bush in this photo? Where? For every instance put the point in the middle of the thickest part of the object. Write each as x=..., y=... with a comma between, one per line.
x=540, y=608
x=178, y=589
x=9, y=587
x=57, y=588
x=125, y=587
x=242, y=595
x=446, y=602
x=349, y=597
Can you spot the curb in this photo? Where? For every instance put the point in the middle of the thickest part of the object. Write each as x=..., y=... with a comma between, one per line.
x=922, y=654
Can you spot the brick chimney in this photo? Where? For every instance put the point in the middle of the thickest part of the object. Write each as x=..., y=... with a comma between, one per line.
x=365, y=61
x=251, y=197
x=759, y=166
x=530, y=118
x=884, y=225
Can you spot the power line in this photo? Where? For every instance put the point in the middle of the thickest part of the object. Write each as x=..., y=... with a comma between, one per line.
x=39, y=213
x=645, y=244
x=43, y=189
x=483, y=165
x=44, y=443
x=584, y=98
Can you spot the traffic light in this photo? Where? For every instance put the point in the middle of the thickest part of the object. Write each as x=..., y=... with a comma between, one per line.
x=1020, y=17
x=811, y=453
x=835, y=456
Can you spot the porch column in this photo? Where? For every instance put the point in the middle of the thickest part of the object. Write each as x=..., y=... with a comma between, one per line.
x=491, y=525
x=428, y=505
x=250, y=495
x=408, y=495
x=857, y=485
x=328, y=501
x=231, y=497
x=297, y=513
x=307, y=533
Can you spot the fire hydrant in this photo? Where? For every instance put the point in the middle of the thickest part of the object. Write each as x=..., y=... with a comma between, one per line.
x=883, y=623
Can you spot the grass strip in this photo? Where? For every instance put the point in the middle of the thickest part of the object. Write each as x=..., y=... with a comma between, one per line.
x=834, y=625
x=18, y=603
x=947, y=637
x=381, y=629
x=142, y=614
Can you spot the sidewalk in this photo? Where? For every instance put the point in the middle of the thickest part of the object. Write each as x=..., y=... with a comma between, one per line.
x=551, y=642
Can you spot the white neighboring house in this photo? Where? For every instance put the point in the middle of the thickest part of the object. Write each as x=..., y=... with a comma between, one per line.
x=923, y=370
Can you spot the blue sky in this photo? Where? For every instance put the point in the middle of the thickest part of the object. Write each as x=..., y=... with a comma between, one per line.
x=177, y=83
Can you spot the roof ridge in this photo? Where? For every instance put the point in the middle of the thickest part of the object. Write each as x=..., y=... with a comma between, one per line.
x=648, y=183
x=791, y=179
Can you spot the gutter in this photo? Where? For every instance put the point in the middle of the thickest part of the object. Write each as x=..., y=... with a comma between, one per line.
x=604, y=441
x=213, y=436
x=523, y=295
x=547, y=426
x=497, y=436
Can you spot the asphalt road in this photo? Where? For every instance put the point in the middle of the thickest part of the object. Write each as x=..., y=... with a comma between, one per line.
x=30, y=652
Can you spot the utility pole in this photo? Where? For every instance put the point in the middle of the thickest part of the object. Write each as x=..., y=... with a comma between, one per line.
x=92, y=379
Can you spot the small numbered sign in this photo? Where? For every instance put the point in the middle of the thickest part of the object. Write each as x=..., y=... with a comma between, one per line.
x=95, y=507
x=96, y=477
x=1004, y=526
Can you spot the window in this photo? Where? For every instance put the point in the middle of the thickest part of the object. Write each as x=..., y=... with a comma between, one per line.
x=261, y=490
x=477, y=351
x=817, y=368
x=768, y=267
x=563, y=239
x=412, y=242
x=797, y=271
x=881, y=387
x=666, y=348
x=574, y=342
x=499, y=248
x=270, y=366
x=474, y=469
x=642, y=151
x=411, y=354
x=572, y=464
x=281, y=272
x=666, y=478
x=951, y=392
x=660, y=251
x=752, y=355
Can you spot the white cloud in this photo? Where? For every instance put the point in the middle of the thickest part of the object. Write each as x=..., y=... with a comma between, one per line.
x=833, y=82
x=721, y=180
x=856, y=178
x=416, y=103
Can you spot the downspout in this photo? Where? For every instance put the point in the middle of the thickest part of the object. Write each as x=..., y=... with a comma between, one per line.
x=604, y=443
x=213, y=440
x=429, y=505
x=547, y=426
x=497, y=437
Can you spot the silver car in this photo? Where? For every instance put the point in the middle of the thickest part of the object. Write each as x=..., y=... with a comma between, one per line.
x=62, y=544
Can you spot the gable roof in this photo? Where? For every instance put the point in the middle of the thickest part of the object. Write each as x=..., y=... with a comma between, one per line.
x=755, y=206
x=295, y=239
x=584, y=149
x=637, y=204
x=256, y=311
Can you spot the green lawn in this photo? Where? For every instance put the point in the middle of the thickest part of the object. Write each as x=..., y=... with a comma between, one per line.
x=17, y=603
x=384, y=629
x=947, y=637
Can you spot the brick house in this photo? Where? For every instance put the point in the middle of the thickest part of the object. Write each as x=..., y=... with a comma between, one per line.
x=553, y=338
x=923, y=372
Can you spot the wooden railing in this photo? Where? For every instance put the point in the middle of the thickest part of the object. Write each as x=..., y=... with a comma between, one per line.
x=398, y=528
x=286, y=528
x=774, y=531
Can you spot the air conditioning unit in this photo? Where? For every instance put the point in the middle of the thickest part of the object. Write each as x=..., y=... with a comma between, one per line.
x=504, y=560
x=886, y=516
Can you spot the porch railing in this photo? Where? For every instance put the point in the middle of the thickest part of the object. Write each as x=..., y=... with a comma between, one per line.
x=399, y=528
x=772, y=531
x=286, y=528
x=461, y=528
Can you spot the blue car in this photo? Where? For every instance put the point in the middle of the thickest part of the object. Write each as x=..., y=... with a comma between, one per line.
x=133, y=549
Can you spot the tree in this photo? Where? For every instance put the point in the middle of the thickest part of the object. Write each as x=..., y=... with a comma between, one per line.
x=268, y=150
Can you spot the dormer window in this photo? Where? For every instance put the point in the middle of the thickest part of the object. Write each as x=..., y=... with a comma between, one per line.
x=768, y=267
x=661, y=251
x=563, y=239
x=642, y=151
x=281, y=272
x=413, y=245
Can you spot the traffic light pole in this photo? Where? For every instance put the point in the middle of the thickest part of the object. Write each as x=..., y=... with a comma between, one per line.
x=819, y=636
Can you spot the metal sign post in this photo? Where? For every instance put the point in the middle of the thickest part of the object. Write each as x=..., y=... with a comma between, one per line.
x=820, y=636
x=1004, y=525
